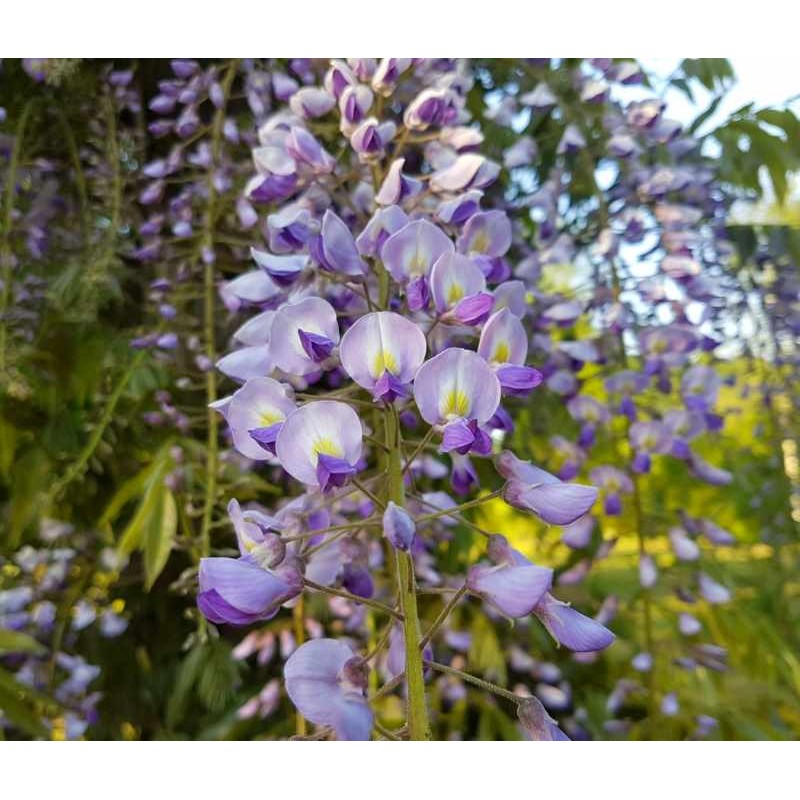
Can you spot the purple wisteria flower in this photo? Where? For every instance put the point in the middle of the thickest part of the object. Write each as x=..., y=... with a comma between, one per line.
x=457, y=391
x=255, y=414
x=458, y=288
x=303, y=336
x=320, y=443
x=504, y=345
x=533, y=489
x=570, y=628
x=512, y=583
x=409, y=255
x=334, y=249
x=537, y=723
x=398, y=526
x=238, y=591
x=382, y=352
x=612, y=482
x=648, y=438
x=327, y=683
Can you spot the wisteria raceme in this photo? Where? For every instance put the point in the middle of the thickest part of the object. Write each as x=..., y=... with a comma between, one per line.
x=399, y=282
x=32, y=587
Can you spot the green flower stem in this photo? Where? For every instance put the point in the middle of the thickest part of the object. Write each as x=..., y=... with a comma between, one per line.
x=378, y=606
x=419, y=448
x=75, y=470
x=443, y=615
x=5, y=227
x=479, y=682
x=209, y=317
x=298, y=619
x=371, y=495
x=456, y=510
x=416, y=706
x=349, y=526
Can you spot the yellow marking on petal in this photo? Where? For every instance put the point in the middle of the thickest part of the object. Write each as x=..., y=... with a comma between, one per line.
x=384, y=362
x=480, y=244
x=418, y=263
x=456, y=404
x=454, y=293
x=118, y=605
x=501, y=353
x=328, y=447
x=269, y=417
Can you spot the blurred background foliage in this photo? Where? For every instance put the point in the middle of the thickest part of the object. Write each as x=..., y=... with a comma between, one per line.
x=74, y=445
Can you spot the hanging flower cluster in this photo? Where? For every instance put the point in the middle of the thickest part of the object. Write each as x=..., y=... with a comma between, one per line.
x=641, y=387
x=41, y=649
x=389, y=345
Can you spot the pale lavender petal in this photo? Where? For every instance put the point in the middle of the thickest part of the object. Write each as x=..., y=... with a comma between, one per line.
x=323, y=426
x=312, y=315
x=247, y=363
x=503, y=339
x=413, y=250
x=453, y=278
x=487, y=234
x=513, y=590
x=556, y=503
x=571, y=628
x=382, y=342
x=456, y=384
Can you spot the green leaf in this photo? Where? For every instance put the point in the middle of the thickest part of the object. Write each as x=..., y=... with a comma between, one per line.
x=188, y=674
x=713, y=73
x=16, y=704
x=8, y=446
x=160, y=537
x=150, y=506
x=18, y=642
x=701, y=118
x=130, y=489
x=217, y=684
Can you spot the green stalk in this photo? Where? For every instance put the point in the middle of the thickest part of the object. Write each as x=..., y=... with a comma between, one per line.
x=209, y=314
x=5, y=227
x=416, y=707
x=77, y=467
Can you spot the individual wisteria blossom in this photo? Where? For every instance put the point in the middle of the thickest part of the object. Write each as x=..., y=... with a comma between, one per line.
x=612, y=482
x=458, y=288
x=711, y=590
x=303, y=336
x=570, y=628
x=537, y=723
x=504, y=345
x=409, y=255
x=255, y=415
x=241, y=591
x=533, y=489
x=382, y=352
x=458, y=392
x=647, y=438
x=327, y=683
x=512, y=584
x=320, y=443
x=398, y=526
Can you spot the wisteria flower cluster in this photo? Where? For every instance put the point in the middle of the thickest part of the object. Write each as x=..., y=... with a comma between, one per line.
x=391, y=343
x=41, y=652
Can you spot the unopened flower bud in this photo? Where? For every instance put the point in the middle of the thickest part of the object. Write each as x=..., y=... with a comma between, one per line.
x=536, y=721
x=398, y=527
